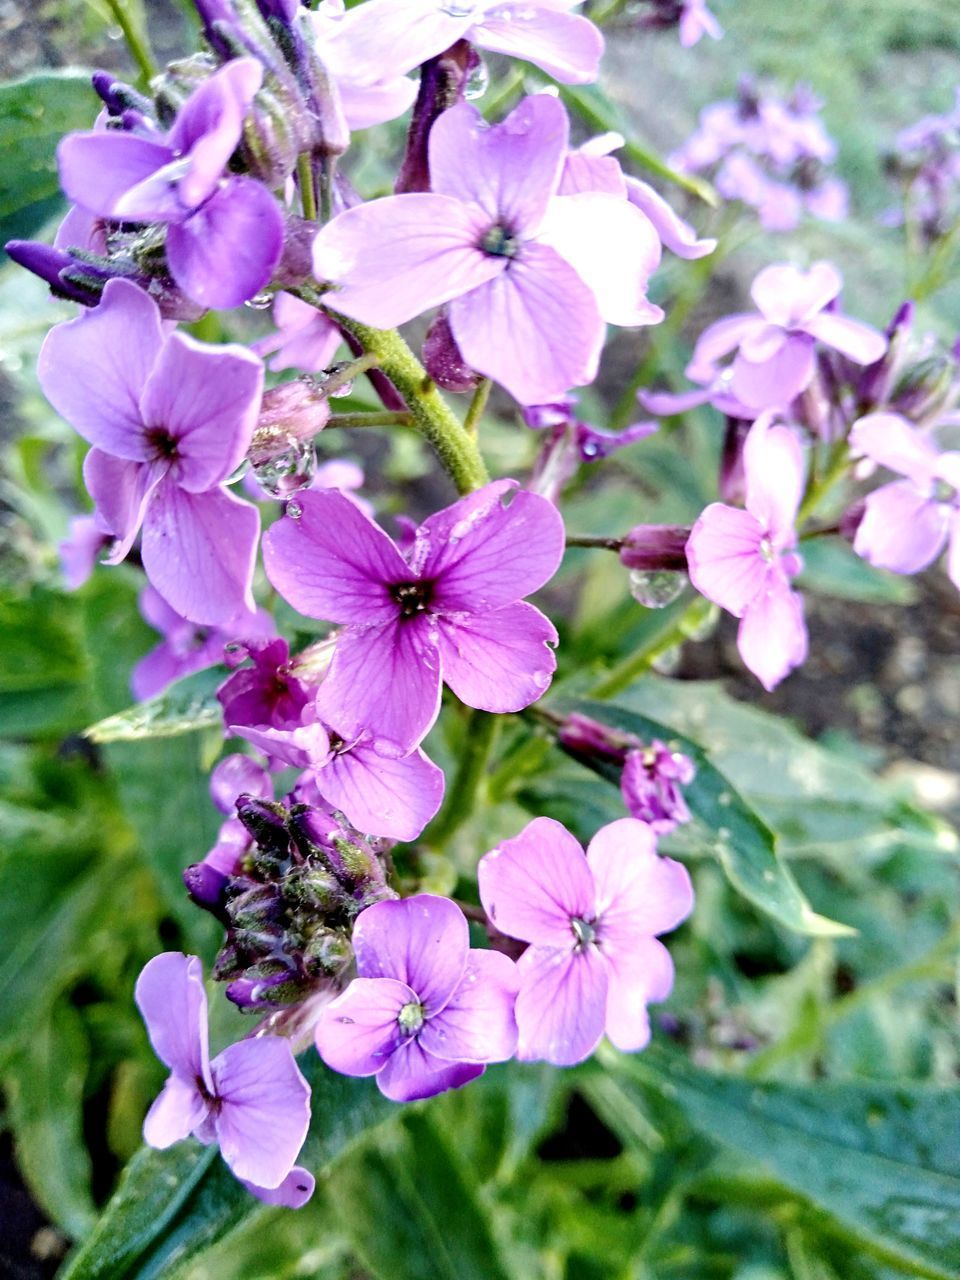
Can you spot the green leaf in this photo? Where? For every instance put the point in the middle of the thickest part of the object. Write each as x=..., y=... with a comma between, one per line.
x=45, y=668
x=742, y=842
x=412, y=1209
x=35, y=113
x=172, y=1205
x=880, y=1163
x=187, y=705
x=831, y=568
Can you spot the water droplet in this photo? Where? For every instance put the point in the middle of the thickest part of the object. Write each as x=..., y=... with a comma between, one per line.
x=477, y=82
x=240, y=472
x=656, y=588
x=457, y=8
x=284, y=466
x=259, y=302
x=344, y=389
x=294, y=510
x=589, y=449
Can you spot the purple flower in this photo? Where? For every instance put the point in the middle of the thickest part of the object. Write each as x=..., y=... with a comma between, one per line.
x=650, y=785
x=251, y=1098
x=268, y=693
x=187, y=647
x=80, y=549
x=744, y=560
x=225, y=234
x=385, y=38
x=449, y=610
x=906, y=524
x=305, y=338
x=169, y=418
x=570, y=442
x=697, y=21
x=495, y=241
x=594, y=961
x=236, y=775
x=427, y=1011
x=775, y=351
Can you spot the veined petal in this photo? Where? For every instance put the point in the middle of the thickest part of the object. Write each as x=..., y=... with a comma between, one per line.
x=511, y=169
x=477, y=1023
x=422, y=941
x=534, y=884
x=772, y=637
x=787, y=296
x=357, y=1032
x=333, y=562
x=401, y=255
x=499, y=661
x=383, y=795
x=642, y=974
x=775, y=471
x=121, y=491
x=639, y=893
x=98, y=168
x=561, y=1008
x=859, y=342
x=209, y=125
x=902, y=528
x=173, y=1003
x=724, y=557
x=207, y=400
x=264, y=1108
x=176, y=1111
x=565, y=45
x=93, y=369
x=199, y=551
x=555, y=327
x=412, y=1073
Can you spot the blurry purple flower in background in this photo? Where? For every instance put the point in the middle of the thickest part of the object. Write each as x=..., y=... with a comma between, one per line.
x=80, y=549
x=225, y=233
x=570, y=442
x=169, y=418
x=651, y=786
x=186, y=646
x=907, y=523
x=594, y=961
x=692, y=19
x=744, y=560
x=251, y=1098
x=427, y=1011
x=926, y=160
x=771, y=153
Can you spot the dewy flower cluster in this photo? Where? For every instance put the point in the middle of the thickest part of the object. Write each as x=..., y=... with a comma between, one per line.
x=225, y=188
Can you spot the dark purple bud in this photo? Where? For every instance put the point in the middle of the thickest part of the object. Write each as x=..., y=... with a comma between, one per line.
x=850, y=520
x=270, y=992
x=877, y=379
x=266, y=822
x=442, y=83
x=442, y=358
x=282, y=10
x=585, y=737
x=207, y=888
x=651, y=547
x=255, y=908
x=52, y=265
x=313, y=831
x=119, y=97
x=732, y=481
x=327, y=953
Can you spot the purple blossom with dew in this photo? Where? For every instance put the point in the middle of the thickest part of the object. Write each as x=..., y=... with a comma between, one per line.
x=775, y=351
x=907, y=523
x=426, y=1012
x=448, y=610
x=594, y=962
x=187, y=646
x=224, y=231
x=744, y=560
x=384, y=38
x=250, y=1099
x=507, y=253
x=269, y=692
x=170, y=418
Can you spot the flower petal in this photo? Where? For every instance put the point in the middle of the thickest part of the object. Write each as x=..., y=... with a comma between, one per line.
x=639, y=893
x=499, y=661
x=676, y=235
x=775, y=473
x=173, y=1003
x=422, y=941
x=785, y=295
x=209, y=125
x=902, y=528
x=176, y=1111
x=772, y=637
x=565, y=45
x=534, y=884
x=264, y=1108
x=383, y=795
x=293, y=1192
x=412, y=1073
x=382, y=38
x=555, y=327
x=773, y=383
x=724, y=557
x=636, y=977
x=477, y=1023
x=357, y=1032
x=98, y=168
x=121, y=491
x=893, y=442
x=199, y=551
x=561, y=1007
x=859, y=342
x=717, y=341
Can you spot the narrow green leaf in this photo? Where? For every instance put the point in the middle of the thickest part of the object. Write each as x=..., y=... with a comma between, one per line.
x=742, y=842
x=187, y=705
x=881, y=1162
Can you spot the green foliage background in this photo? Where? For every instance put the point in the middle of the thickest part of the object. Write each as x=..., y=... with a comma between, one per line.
x=798, y=1117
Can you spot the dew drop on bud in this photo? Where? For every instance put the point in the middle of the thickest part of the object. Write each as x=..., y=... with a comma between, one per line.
x=477, y=82
x=656, y=588
x=285, y=470
x=259, y=302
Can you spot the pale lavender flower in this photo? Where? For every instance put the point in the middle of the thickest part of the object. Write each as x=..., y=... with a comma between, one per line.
x=251, y=1098
x=496, y=241
x=305, y=339
x=186, y=646
x=651, y=786
x=169, y=418
x=385, y=38
x=594, y=962
x=224, y=231
x=907, y=523
x=427, y=1012
x=744, y=560
x=697, y=21
x=80, y=549
x=451, y=609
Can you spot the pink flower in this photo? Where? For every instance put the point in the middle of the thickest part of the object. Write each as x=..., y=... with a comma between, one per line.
x=450, y=609
x=907, y=523
x=251, y=1098
x=594, y=961
x=427, y=1011
x=496, y=241
x=744, y=560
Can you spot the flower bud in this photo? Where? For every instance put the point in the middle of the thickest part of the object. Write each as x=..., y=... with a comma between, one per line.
x=272, y=991
x=927, y=390
x=442, y=358
x=327, y=953
x=583, y=736
x=732, y=481
x=442, y=83
x=876, y=381
x=654, y=547
x=266, y=822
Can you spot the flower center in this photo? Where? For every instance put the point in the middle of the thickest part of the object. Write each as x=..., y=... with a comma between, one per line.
x=583, y=930
x=412, y=597
x=163, y=445
x=498, y=242
x=411, y=1018
x=767, y=551
x=943, y=492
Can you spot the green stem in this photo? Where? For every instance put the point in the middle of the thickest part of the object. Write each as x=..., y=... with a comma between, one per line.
x=328, y=165
x=479, y=737
x=136, y=40
x=588, y=540
x=379, y=418
x=836, y=469
x=679, y=624
x=308, y=197
x=477, y=405
x=432, y=416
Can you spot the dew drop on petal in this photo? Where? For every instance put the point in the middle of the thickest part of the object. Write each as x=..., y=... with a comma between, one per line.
x=477, y=82
x=259, y=302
